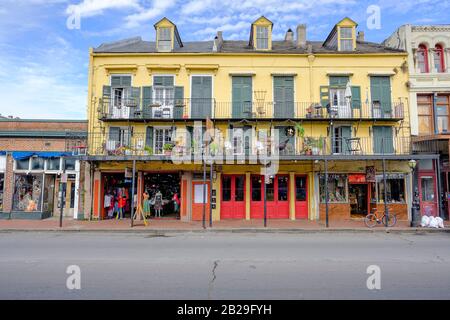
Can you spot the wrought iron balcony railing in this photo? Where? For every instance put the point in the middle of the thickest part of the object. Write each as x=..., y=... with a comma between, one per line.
x=200, y=109
x=127, y=144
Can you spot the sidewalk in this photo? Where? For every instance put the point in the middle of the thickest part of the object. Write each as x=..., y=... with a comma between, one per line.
x=163, y=225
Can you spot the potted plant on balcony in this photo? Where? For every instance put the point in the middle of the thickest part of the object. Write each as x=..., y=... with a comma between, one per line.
x=148, y=150
x=168, y=147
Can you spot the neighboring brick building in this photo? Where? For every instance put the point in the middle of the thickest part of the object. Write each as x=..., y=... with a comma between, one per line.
x=32, y=157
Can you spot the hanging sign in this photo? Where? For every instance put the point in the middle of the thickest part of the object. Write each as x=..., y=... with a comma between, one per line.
x=128, y=173
x=370, y=174
x=289, y=131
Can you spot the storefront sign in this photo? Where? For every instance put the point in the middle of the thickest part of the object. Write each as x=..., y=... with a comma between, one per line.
x=357, y=178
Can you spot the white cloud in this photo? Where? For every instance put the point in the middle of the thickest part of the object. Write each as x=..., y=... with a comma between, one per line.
x=157, y=10
x=197, y=6
x=90, y=8
x=47, y=83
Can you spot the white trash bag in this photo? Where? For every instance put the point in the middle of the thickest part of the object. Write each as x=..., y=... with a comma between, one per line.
x=425, y=221
x=434, y=222
x=440, y=222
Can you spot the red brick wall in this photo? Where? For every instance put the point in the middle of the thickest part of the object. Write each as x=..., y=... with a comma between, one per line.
x=35, y=144
x=336, y=211
x=23, y=125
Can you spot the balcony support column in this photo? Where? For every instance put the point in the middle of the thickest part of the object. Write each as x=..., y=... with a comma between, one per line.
x=326, y=193
x=247, y=195
x=292, y=195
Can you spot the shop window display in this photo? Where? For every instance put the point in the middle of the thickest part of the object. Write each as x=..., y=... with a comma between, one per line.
x=27, y=193
x=168, y=185
x=337, y=188
x=395, y=187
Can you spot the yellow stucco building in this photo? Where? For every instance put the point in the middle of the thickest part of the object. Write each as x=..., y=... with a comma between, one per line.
x=300, y=112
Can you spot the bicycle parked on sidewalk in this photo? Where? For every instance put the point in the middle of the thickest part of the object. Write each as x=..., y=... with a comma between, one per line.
x=372, y=219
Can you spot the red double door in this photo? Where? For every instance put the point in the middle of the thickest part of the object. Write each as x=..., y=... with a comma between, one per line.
x=277, y=197
x=233, y=197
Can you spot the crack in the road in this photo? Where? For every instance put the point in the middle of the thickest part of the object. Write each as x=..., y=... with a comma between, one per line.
x=214, y=277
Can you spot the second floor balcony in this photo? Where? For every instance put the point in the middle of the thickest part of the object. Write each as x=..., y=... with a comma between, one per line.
x=161, y=146
x=131, y=109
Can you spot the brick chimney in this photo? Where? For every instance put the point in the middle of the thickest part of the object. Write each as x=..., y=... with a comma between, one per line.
x=301, y=36
x=289, y=36
x=218, y=41
x=360, y=36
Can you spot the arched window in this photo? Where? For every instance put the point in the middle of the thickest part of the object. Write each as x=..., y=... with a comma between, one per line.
x=439, y=58
x=422, y=59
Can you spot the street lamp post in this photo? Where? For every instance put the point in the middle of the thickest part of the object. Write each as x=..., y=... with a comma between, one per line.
x=415, y=207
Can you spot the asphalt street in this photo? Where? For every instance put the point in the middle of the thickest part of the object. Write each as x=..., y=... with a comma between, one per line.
x=33, y=265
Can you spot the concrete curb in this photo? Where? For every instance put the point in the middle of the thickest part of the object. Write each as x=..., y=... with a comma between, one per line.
x=239, y=230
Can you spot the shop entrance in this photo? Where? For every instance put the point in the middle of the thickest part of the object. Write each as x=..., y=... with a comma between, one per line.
x=69, y=200
x=301, y=197
x=233, y=197
x=427, y=192
x=116, y=195
x=359, y=199
x=197, y=203
x=168, y=184
x=277, y=199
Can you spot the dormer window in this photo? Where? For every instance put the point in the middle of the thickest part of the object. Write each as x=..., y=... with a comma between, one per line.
x=346, y=39
x=343, y=36
x=261, y=34
x=164, y=39
x=262, y=38
x=167, y=36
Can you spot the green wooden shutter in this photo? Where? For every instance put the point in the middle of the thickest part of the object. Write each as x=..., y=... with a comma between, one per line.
x=284, y=97
x=346, y=133
x=149, y=137
x=324, y=96
x=201, y=98
x=383, y=140
x=242, y=97
x=388, y=140
x=135, y=97
x=380, y=88
x=106, y=99
x=179, y=103
x=147, y=95
x=356, y=97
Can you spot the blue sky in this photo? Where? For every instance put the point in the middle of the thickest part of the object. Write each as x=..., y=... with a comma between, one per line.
x=43, y=64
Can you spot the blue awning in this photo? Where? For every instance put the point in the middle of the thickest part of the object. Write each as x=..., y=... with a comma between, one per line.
x=22, y=155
